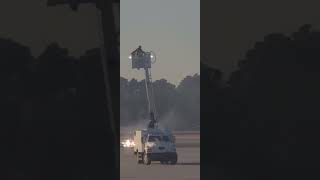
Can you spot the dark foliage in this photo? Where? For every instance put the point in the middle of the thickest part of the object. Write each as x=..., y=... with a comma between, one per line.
x=266, y=126
x=177, y=107
x=53, y=115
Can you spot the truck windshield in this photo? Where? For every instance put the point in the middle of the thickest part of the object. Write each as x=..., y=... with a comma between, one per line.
x=154, y=138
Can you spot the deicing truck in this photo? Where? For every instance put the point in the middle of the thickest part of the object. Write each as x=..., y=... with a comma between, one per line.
x=155, y=145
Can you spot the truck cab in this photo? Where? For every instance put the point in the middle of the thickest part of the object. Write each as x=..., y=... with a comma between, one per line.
x=155, y=145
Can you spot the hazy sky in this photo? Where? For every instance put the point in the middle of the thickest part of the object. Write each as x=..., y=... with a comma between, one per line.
x=34, y=24
x=229, y=28
x=170, y=28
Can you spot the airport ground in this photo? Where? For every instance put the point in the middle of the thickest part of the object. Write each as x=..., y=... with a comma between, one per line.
x=187, y=168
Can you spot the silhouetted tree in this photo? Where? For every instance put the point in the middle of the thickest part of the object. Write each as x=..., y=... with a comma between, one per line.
x=54, y=120
x=177, y=107
x=188, y=102
x=274, y=95
x=15, y=62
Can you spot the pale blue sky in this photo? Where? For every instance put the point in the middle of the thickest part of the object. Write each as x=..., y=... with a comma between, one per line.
x=170, y=28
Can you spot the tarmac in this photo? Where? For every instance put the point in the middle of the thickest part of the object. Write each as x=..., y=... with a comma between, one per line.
x=187, y=167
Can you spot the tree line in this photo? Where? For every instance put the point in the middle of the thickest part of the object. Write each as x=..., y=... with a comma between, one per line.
x=263, y=121
x=53, y=118
x=177, y=107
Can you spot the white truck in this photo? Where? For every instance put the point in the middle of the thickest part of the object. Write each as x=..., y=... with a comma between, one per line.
x=155, y=145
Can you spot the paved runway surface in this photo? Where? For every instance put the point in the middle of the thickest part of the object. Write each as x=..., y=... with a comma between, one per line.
x=187, y=168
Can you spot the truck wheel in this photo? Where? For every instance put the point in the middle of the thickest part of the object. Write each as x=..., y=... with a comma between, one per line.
x=173, y=161
x=146, y=159
x=164, y=162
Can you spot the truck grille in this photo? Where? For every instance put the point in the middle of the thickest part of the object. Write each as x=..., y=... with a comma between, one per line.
x=161, y=148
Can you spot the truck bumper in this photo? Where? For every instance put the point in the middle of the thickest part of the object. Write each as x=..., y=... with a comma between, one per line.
x=162, y=156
